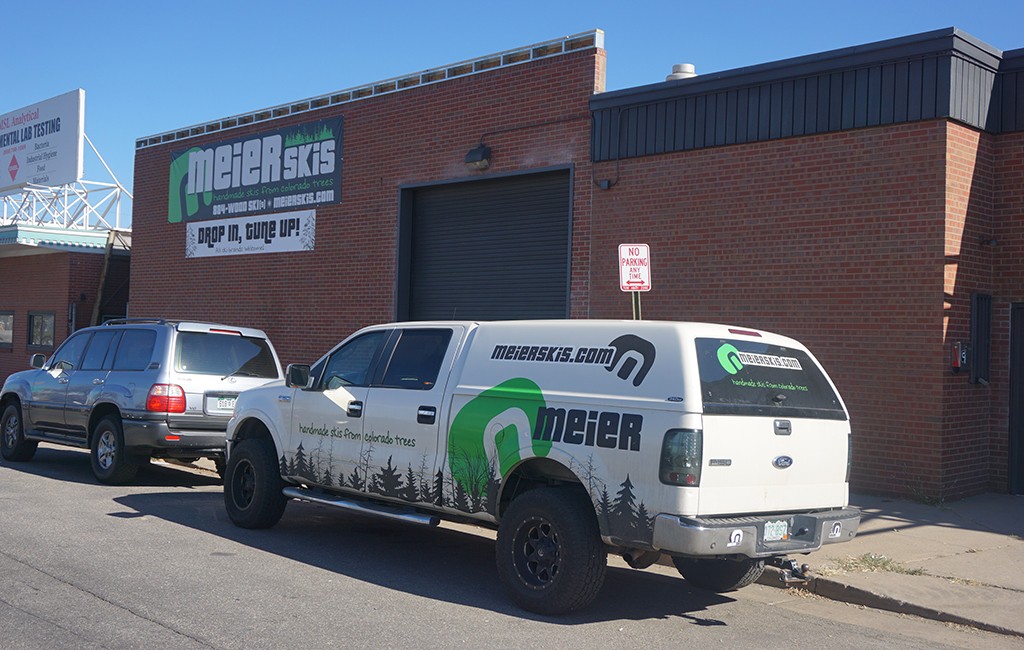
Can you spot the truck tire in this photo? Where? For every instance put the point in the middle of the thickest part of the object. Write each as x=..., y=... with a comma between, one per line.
x=111, y=462
x=719, y=575
x=13, y=446
x=550, y=556
x=253, y=485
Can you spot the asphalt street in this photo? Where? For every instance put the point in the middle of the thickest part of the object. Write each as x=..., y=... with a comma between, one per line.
x=157, y=564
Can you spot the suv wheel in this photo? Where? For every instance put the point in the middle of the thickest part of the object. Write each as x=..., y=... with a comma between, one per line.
x=550, y=555
x=253, y=485
x=13, y=445
x=111, y=462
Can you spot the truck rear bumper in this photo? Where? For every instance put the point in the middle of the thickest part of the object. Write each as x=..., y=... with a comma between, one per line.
x=713, y=536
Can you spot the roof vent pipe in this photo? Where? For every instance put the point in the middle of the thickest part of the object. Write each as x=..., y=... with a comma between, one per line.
x=682, y=71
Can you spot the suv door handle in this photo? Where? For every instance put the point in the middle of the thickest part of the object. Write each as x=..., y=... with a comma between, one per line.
x=63, y=379
x=355, y=409
x=426, y=415
x=97, y=381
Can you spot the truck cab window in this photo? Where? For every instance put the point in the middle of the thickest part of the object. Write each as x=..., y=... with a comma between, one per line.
x=417, y=359
x=351, y=364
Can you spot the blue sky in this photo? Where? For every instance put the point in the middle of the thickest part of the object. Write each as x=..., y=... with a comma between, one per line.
x=151, y=67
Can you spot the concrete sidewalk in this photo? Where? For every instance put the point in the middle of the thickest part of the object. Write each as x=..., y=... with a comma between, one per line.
x=960, y=562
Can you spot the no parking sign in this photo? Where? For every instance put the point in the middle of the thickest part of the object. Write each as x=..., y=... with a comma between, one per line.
x=634, y=267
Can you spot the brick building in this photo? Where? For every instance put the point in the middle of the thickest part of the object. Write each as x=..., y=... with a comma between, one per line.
x=55, y=281
x=867, y=201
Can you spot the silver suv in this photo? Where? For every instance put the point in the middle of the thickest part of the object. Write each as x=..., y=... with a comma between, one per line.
x=132, y=389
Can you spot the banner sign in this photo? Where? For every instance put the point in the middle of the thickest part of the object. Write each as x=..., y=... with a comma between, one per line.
x=41, y=144
x=268, y=233
x=291, y=167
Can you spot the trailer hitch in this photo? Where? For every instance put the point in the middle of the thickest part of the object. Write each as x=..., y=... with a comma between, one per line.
x=792, y=573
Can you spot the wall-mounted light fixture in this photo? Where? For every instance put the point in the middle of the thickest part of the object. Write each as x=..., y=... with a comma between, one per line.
x=479, y=157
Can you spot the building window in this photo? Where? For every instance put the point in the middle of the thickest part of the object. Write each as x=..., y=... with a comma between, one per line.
x=6, y=329
x=40, y=329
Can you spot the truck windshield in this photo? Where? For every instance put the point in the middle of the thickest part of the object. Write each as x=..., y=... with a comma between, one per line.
x=741, y=377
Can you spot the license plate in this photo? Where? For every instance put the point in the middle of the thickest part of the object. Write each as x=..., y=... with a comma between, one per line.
x=775, y=531
x=226, y=403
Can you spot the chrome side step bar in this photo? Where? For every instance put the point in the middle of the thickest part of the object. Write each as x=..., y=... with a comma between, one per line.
x=362, y=507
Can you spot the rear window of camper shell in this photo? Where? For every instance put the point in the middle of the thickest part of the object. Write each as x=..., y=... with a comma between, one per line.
x=743, y=377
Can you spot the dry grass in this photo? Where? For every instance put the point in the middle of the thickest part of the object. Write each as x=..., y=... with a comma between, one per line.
x=872, y=562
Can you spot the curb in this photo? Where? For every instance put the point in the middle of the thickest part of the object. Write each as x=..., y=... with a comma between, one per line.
x=838, y=591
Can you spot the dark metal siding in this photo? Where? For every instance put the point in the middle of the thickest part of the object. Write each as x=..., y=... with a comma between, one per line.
x=1009, y=98
x=939, y=74
x=491, y=249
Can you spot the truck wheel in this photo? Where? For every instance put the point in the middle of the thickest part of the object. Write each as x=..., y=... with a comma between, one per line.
x=13, y=445
x=719, y=575
x=253, y=485
x=111, y=462
x=549, y=553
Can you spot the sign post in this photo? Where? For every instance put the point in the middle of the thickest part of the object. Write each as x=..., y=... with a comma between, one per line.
x=635, y=272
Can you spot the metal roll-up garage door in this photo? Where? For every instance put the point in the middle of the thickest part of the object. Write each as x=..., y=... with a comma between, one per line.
x=491, y=249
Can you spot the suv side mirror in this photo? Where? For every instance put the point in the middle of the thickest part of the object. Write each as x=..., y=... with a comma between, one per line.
x=297, y=376
x=37, y=361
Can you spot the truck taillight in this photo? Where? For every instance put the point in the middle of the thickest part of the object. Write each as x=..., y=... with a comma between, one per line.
x=166, y=398
x=849, y=456
x=681, y=455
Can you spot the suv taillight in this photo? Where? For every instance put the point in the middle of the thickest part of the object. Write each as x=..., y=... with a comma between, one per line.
x=681, y=455
x=166, y=398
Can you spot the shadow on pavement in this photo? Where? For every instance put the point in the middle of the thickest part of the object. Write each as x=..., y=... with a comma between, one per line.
x=990, y=513
x=72, y=465
x=443, y=564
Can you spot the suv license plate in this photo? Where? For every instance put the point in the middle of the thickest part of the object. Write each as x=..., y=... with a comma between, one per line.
x=775, y=531
x=226, y=403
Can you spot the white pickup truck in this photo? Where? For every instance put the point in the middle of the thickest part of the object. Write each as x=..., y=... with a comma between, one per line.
x=721, y=447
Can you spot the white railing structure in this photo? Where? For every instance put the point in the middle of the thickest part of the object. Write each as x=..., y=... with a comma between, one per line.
x=80, y=206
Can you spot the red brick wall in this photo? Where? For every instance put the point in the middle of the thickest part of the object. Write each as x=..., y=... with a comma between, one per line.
x=965, y=462
x=51, y=282
x=310, y=300
x=34, y=283
x=835, y=239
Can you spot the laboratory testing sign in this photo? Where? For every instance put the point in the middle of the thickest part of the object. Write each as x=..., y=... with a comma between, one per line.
x=41, y=144
x=634, y=267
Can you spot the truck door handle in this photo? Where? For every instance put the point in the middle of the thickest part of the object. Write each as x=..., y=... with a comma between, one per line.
x=97, y=381
x=63, y=380
x=783, y=427
x=426, y=415
x=355, y=409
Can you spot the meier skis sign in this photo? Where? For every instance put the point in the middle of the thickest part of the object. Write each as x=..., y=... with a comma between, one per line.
x=291, y=167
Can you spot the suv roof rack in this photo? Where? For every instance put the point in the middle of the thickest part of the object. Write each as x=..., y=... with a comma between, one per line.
x=124, y=321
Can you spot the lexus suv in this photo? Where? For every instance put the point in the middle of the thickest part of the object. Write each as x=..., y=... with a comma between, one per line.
x=134, y=389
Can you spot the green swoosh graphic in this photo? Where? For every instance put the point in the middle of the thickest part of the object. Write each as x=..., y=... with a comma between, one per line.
x=466, y=452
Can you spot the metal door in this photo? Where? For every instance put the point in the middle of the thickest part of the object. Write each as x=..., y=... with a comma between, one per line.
x=1015, y=473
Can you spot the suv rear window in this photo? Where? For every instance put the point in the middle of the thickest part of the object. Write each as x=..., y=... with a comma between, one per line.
x=741, y=377
x=208, y=353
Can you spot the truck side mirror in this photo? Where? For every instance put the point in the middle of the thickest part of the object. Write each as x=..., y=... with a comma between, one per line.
x=37, y=361
x=297, y=376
